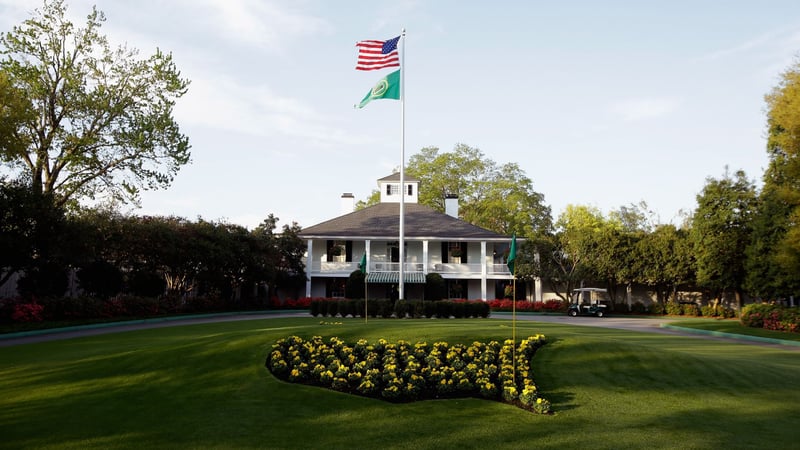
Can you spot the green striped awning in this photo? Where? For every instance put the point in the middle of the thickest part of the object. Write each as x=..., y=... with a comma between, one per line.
x=394, y=277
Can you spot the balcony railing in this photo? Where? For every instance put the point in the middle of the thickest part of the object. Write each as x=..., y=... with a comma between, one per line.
x=345, y=268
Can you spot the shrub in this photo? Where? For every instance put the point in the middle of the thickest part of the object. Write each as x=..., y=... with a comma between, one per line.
x=674, y=309
x=429, y=309
x=443, y=309
x=401, y=308
x=458, y=309
x=435, y=287
x=690, y=309
x=27, y=312
x=638, y=308
x=354, y=288
x=70, y=308
x=100, y=279
x=144, y=283
x=47, y=280
x=771, y=317
x=753, y=315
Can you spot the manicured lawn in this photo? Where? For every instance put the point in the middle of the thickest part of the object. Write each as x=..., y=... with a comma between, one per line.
x=205, y=386
x=734, y=327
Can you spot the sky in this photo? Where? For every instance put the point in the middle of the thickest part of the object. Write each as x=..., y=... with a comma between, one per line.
x=600, y=103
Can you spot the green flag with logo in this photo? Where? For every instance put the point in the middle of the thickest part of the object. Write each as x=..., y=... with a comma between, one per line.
x=387, y=87
x=363, y=265
x=512, y=253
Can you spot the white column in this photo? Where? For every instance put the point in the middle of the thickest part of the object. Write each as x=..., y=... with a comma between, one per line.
x=484, y=263
x=425, y=256
x=309, y=264
x=369, y=257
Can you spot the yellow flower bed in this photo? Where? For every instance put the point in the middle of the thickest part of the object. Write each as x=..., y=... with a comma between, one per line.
x=403, y=372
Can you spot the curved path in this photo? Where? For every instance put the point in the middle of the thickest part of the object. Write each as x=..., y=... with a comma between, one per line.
x=650, y=325
x=653, y=325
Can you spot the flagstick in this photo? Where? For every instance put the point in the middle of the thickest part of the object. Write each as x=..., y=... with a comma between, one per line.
x=401, y=290
x=366, y=298
x=514, y=324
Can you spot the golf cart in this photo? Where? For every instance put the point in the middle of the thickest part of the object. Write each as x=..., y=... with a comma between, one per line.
x=588, y=302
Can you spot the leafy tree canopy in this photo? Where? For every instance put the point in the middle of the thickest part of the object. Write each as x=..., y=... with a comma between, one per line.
x=85, y=119
x=500, y=198
x=721, y=229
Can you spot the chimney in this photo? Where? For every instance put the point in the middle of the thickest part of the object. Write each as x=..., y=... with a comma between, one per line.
x=451, y=205
x=348, y=203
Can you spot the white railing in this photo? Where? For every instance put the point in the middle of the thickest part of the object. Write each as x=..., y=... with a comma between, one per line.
x=345, y=268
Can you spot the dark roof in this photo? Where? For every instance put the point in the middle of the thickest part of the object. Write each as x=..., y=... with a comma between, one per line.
x=396, y=177
x=382, y=221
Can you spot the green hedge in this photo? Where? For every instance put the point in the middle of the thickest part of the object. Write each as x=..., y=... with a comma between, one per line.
x=401, y=309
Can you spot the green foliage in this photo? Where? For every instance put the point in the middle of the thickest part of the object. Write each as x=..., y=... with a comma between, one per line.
x=664, y=260
x=690, y=309
x=498, y=198
x=773, y=256
x=31, y=236
x=720, y=232
x=674, y=309
x=435, y=287
x=100, y=278
x=355, y=285
x=98, y=120
x=771, y=316
x=146, y=283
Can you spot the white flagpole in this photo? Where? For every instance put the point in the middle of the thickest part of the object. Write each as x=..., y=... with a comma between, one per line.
x=401, y=291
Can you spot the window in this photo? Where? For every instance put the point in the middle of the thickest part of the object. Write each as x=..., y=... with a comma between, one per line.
x=410, y=190
x=392, y=189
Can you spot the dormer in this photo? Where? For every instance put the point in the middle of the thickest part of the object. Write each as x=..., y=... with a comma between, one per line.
x=391, y=191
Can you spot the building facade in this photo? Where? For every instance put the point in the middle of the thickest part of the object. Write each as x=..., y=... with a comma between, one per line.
x=470, y=259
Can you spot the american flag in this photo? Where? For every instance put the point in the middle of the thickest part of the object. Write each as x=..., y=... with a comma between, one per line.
x=374, y=55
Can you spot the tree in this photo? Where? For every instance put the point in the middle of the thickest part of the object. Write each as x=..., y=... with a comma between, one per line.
x=30, y=230
x=500, y=199
x=774, y=255
x=282, y=258
x=14, y=112
x=663, y=260
x=89, y=120
x=562, y=257
x=720, y=232
x=770, y=271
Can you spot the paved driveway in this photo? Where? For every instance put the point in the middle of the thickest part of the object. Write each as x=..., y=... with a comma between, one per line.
x=649, y=325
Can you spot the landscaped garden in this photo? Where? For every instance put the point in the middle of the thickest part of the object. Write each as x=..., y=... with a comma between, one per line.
x=206, y=386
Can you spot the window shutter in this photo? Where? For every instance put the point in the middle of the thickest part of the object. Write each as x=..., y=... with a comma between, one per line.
x=329, y=252
x=348, y=251
x=445, y=253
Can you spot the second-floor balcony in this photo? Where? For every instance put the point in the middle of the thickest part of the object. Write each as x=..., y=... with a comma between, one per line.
x=336, y=268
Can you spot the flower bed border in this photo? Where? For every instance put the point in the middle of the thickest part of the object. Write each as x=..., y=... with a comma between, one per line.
x=402, y=372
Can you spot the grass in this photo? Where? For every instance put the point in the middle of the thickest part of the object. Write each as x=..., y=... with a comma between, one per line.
x=205, y=386
x=734, y=327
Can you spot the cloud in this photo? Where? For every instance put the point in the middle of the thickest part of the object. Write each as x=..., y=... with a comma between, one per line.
x=783, y=39
x=637, y=109
x=227, y=104
x=262, y=23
